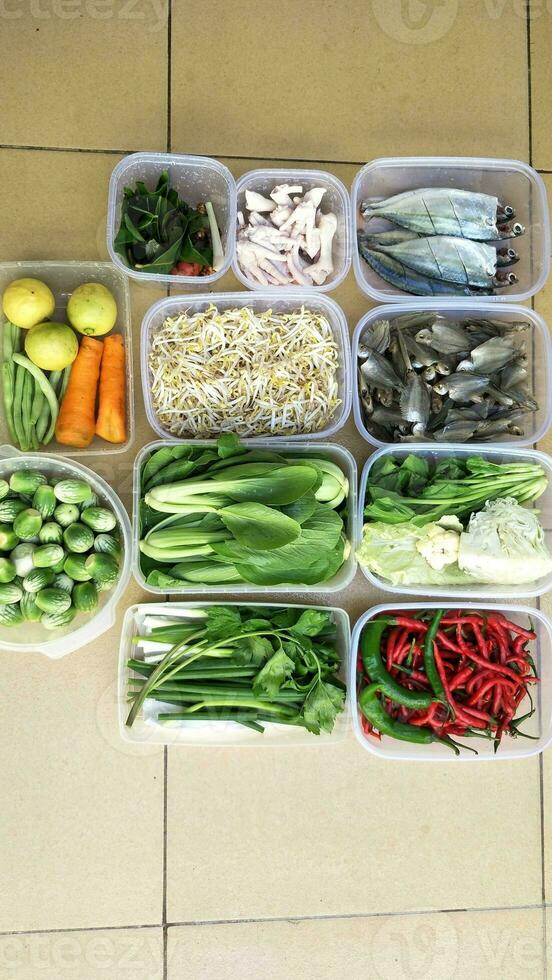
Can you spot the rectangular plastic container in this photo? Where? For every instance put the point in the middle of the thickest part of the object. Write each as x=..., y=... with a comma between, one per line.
x=539, y=726
x=197, y=179
x=337, y=454
x=222, y=732
x=278, y=300
x=495, y=455
x=63, y=278
x=539, y=365
x=512, y=181
x=336, y=199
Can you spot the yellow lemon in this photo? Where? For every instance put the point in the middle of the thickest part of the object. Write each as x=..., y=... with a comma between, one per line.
x=51, y=346
x=28, y=301
x=92, y=309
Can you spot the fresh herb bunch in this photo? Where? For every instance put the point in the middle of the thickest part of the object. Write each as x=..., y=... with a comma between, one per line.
x=413, y=489
x=251, y=665
x=159, y=230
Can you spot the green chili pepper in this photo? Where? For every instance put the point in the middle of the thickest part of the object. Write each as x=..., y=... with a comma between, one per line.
x=370, y=646
x=429, y=658
x=373, y=709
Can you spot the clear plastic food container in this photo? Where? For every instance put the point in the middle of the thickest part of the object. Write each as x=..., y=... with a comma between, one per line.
x=336, y=199
x=539, y=726
x=33, y=637
x=63, y=278
x=221, y=732
x=512, y=181
x=495, y=455
x=271, y=299
x=337, y=454
x=197, y=179
x=539, y=364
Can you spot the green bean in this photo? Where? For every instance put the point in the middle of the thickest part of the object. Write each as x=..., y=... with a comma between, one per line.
x=54, y=379
x=47, y=390
x=64, y=382
x=8, y=377
x=17, y=406
x=28, y=393
x=38, y=402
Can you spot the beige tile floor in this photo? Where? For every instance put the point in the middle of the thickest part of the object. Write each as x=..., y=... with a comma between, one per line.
x=274, y=864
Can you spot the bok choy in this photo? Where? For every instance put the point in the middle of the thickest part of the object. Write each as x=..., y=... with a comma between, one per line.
x=240, y=515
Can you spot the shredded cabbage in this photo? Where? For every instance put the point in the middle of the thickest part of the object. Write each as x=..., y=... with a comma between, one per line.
x=504, y=543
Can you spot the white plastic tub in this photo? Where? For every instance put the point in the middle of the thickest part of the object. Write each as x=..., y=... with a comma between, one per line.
x=342, y=457
x=280, y=302
x=512, y=181
x=33, y=637
x=496, y=455
x=63, y=278
x=221, y=732
x=197, y=179
x=539, y=365
x=540, y=725
x=336, y=199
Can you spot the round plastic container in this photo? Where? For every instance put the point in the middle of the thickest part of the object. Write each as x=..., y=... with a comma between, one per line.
x=539, y=364
x=278, y=300
x=63, y=278
x=539, y=726
x=512, y=181
x=336, y=199
x=342, y=457
x=33, y=637
x=221, y=732
x=495, y=455
x=197, y=179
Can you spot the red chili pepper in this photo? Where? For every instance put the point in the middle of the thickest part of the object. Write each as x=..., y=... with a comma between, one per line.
x=460, y=678
x=497, y=617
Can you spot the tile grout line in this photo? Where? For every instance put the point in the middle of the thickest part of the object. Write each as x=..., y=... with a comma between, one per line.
x=529, y=85
x=169, y=75
x=353, y=915
x=268, y=919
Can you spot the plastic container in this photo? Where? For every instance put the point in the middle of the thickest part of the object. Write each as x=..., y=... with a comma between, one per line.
x=197, y=179
x=539, y=365
x=512, y=181
x=222, y=732
x=33, y=637
x=63, y=278
x=342, y=457
x=539, y=726
x=336, y=199
x=278, y=300
x=495, y=455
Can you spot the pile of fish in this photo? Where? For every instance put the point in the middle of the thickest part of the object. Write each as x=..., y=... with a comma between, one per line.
x=447, y=241
x=422, y=377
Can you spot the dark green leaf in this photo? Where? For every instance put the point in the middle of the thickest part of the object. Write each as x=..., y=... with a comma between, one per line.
x=311, y=622
x=271, y=677
x=322, y=705
x=222, y=622
x=258, y=526
x=229, y=445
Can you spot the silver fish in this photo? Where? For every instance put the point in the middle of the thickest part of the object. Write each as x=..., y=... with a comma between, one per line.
x=462, y=386
x=415, y=400
x=400, y=276
x=376, y=370
x=446, y=338
x=506, y=256
x=490, y=356
x=443, y=257
x=375, y=337
x=440, y=211
x=513, y=374
x=425, y=355
x=391, y=237
x=387, y=416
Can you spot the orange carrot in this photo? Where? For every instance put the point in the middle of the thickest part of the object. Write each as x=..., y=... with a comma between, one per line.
x=111, y=422
x=75, y=424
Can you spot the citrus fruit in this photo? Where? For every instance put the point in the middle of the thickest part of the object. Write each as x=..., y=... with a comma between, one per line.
x=92, y=309
x=28, y=301
x=51, y=346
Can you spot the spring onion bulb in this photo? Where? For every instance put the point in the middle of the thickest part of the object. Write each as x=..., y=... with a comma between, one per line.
x=246, y=372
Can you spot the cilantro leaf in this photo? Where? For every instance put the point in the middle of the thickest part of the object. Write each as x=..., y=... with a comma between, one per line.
x=270, y=679
x=322, y=705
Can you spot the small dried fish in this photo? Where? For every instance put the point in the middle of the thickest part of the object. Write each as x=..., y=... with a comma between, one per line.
x=415, y=402
x=462, y=386
x=376, y=337
x=490, y=356
x=376, y=370
x=446, y=338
